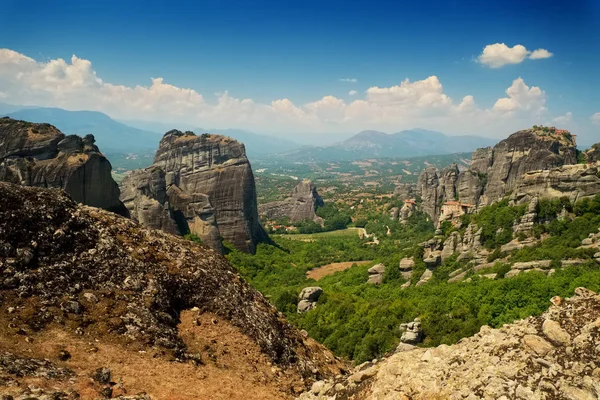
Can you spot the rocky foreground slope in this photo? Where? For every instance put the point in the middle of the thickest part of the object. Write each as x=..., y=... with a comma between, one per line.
x=41, y=155
x=201, y=185
x=299, y=206
x=82, y=289
x=553, y=356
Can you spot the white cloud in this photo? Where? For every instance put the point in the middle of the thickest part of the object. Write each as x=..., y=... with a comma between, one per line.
x=499, y=54
x=522, y=98
x=75, y=85
x=596, y=118
x=563, y=119
x=348, y=80
x=540, y=54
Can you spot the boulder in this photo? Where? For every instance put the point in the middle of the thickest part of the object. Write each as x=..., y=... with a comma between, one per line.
x=411, y=332
x=201, y=185
x=308, y=298
x=376, y=274
x=40, y=155
x=406, y=267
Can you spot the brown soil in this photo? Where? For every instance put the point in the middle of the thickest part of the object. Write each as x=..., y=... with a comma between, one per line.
x=232, y=365
x=330, y=269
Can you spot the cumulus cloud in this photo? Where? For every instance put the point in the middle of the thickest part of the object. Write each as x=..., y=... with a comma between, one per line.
x=596, y=118
x=348, y=80
x=522, y=98
x=74, y=84
x=563, y=119
x=540, y=54
x=499, y=54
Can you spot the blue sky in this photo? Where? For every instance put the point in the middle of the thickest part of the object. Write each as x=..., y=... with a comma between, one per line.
x=268, y=51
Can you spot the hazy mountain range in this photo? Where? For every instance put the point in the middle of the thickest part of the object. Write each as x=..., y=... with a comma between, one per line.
x=407, y=143
x=142, y=136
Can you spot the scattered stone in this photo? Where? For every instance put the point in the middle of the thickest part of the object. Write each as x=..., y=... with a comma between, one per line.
x=555, y=333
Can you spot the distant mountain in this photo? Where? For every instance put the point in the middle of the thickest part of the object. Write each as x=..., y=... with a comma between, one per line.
x=110, y=135
x=257, y=145
x=408, y=143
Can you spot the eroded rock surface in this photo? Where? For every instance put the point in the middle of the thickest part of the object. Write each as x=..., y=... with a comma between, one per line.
x=299, y=206
x=40, y=155
x=201, y=185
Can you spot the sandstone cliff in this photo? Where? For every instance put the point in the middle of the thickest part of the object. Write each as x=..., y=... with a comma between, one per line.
x=198, y=184
x=41, y=155
x=168, y=316
x=498, y=171
x=552, y=356
x=299, y=206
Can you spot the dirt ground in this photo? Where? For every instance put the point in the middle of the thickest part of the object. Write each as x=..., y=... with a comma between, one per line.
x=232, y=365
x=330, y=269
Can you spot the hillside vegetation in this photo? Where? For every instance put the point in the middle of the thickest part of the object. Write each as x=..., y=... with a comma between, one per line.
x=360, y=321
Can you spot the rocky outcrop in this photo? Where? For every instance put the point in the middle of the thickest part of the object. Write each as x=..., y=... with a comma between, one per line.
x=40, y=155
x=94, y=275
x=533, y=161
x=307, y=300
x=552, y=356
x=411, y=332
x=529, y=266
x=525, y=224
x=522, y=152
x=404, y=191
x=592, y=155
x=572, y=181
x=428, y=188
x=201, y=185
x=299, y=206
x=406, y=267
x=376, y=274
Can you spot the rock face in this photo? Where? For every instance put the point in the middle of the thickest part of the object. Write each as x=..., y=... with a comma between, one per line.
x=299, y=206
x=308, y=298
x=40, y=155
x=552, y=356
x=198, y=184
x=592, y=155
x=142, y=281
x=532, y=161
x=572, y=181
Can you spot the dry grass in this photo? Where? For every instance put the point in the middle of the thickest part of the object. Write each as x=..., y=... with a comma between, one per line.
x=330, y=269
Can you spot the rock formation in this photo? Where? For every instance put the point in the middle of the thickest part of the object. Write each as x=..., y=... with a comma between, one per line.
x=198, y=184
x=411, y=332
x=94, y=279
x=299, y=206
x=572, y=181
x=592, y=155
x=406, y=267
x=376, y=274
x=308, y=298
x=533, y=161
x=552, y=356
x=40, y=155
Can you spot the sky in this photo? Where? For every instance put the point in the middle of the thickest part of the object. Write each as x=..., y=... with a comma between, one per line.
x=312, y=68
